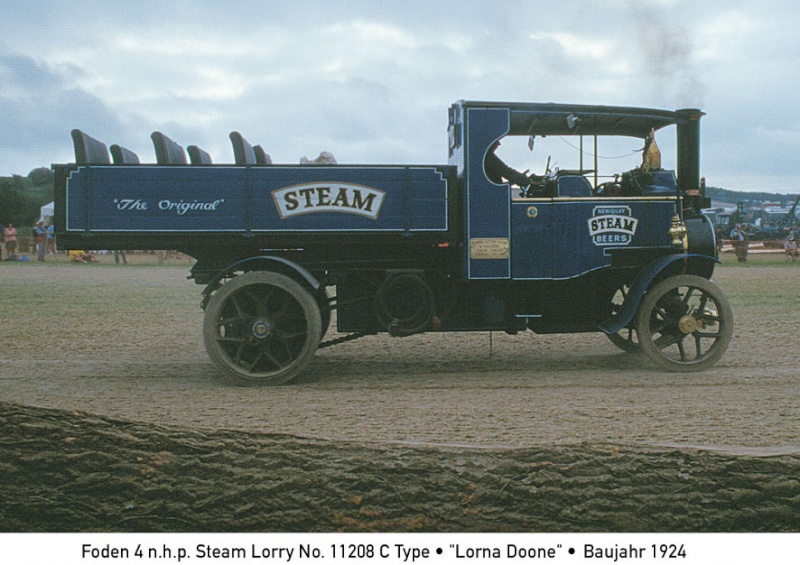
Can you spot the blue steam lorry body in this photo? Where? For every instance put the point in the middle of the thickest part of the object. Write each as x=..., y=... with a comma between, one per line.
x=471, y=245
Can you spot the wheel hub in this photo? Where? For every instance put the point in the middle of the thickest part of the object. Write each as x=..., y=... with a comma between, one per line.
x=261, y=329
x=688, y=324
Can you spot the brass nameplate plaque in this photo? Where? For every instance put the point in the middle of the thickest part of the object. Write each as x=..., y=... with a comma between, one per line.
x=488, y=248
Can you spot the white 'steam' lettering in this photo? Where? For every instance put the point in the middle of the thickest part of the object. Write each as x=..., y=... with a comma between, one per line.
x=328, y=197
x=612, y=225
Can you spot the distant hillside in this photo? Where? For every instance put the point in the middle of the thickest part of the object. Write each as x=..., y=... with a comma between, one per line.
x=731, y=197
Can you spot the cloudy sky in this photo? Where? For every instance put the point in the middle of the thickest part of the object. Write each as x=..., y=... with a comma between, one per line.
x=371, y=81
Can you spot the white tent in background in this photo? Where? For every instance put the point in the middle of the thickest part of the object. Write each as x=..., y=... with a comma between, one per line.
x=47, y=211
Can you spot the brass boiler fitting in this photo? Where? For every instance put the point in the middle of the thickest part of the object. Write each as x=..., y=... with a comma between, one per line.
x=677, y=233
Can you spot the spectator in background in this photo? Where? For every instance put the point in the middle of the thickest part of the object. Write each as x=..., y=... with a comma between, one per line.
x=791, y=246
x=40, y=233
x=10, y=234
x=739, y=238
x=720, y=236
x=81, y=256
x=50, y=231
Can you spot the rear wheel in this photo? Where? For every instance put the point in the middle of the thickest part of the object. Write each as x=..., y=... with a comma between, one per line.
x=262, y=328
x=684, y=324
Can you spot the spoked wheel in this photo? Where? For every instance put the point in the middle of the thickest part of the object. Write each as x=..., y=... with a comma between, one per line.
x=626, y=339
x=684, y=323
x=262, y=328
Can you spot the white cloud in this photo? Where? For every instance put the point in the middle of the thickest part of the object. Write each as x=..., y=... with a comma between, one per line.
x=579, y=46
x=726, y=34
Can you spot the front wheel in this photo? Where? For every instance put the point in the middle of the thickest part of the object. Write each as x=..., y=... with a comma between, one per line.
x=684, y=324
x=262, y=328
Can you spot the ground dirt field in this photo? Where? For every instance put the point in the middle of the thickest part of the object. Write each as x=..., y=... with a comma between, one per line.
x=111, y=420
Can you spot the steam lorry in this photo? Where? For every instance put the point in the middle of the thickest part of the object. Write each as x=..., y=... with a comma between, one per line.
x=407, y=249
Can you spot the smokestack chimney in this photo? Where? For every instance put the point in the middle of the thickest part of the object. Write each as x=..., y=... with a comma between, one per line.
x=689, y=156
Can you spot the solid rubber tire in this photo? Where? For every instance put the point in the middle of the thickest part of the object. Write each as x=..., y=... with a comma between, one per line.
x=307, y=303
x=644, y=330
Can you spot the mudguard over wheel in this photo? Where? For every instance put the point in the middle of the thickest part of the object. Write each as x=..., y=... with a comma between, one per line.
x=626, y=339
x=684, y=324
x=262, y=328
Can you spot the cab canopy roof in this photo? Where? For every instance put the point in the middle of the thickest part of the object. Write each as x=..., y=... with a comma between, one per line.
x=544, y=119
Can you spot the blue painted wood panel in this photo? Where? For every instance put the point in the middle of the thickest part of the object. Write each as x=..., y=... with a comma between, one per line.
x=258, y=199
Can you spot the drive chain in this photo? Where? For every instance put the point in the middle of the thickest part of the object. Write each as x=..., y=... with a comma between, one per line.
x=343, y=339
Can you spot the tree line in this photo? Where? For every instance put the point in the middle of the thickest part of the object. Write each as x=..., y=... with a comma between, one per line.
x=21, y=198
x=733, y=196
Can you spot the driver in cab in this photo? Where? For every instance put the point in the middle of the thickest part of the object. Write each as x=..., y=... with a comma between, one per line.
x=500, y=173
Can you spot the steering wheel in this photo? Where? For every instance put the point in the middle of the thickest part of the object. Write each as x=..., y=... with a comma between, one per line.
x=610, y=188
x=537, y=185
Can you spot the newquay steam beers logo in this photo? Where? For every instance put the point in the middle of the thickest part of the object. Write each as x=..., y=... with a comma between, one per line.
x=612, y=225
x=328, y=197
